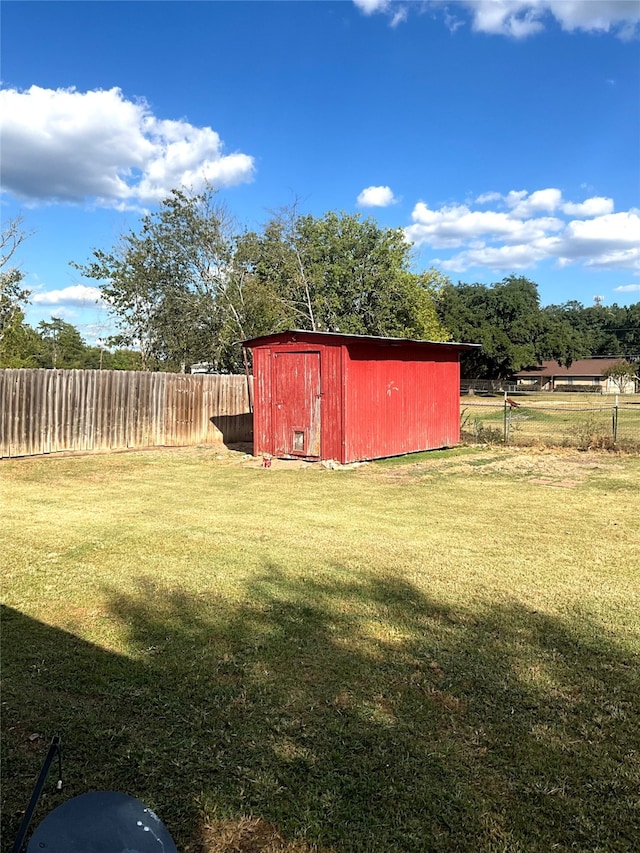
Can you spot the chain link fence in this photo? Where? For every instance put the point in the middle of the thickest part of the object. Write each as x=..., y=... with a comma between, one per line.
x=527, y=422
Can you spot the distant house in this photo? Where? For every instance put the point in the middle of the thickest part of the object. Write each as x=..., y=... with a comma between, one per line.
x=582, y=375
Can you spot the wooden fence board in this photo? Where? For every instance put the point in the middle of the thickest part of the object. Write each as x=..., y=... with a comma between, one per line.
x=53, y=411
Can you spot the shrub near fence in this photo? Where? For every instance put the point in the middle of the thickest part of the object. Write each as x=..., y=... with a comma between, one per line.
x=564, y=424
x=55, y=411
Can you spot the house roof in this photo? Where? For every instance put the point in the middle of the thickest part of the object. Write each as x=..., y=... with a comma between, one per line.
x=581, y=367
x=338, y=336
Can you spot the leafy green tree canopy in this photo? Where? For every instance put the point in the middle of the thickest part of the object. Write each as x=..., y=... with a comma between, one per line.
x=20, y=345
x=611, y=330
x=58, y=344
x=166, y=282
x=185, y=289
x=341, y=273
x=13, y=297
x=506, y=319
x=62, y=346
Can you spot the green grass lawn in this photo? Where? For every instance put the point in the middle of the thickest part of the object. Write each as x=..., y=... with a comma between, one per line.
x=436, y=653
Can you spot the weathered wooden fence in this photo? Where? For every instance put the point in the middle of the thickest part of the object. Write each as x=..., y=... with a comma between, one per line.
x=56, y=411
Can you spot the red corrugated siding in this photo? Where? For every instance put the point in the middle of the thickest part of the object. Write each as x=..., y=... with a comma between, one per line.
x=376, y=399
x=400, y=401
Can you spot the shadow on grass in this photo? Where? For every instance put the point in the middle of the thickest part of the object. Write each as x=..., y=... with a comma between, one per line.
x=353, y=715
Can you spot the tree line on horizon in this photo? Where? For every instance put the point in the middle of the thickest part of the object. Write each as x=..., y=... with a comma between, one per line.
x=185, y=287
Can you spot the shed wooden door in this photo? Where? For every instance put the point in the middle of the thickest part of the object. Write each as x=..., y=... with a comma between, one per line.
x=296, y=416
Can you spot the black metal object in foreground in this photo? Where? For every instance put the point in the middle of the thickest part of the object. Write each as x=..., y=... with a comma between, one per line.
x=102, y=822
x=54, y=748
x=96, y=822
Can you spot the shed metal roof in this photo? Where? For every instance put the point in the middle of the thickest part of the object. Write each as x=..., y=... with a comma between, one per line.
x=373, y=339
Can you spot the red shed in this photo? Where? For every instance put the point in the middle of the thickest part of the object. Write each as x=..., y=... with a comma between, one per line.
x=322, y=395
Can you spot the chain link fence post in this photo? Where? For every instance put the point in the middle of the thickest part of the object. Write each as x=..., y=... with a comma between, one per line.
x=505, y=430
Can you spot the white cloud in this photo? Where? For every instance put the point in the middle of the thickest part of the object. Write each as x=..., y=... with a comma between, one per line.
x=455, y=225
x=376, y=197
x=502, y=258
x=519, y=19
x=596, y=15
x=505, y=17
x=523, y=204
x=451, y=22
x=596, y=206
x=485, y=198
x=627, y=288
x=369, y=7
x=65, y=145
x=607, y=235
x=620, y=259
x=521, y=236
x=399, y=16
x=397, y=12
x=77, y=294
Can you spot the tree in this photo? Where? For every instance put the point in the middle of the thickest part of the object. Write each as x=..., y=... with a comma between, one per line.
x=340, y=273
x=20, y=345
x=560, y=340
x=611, y=330
x=184, y=288
x=506, y=319
x=62, y=345
x=622, y=373
x=627, y=328
x=124, y=359
x=12, y=295
x=501, y=318
x=167, y=283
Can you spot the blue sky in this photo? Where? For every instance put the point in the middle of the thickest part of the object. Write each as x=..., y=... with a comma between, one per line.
x=502, y=135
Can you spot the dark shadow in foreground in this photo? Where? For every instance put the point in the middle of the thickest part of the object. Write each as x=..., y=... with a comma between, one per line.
x=356, y=715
